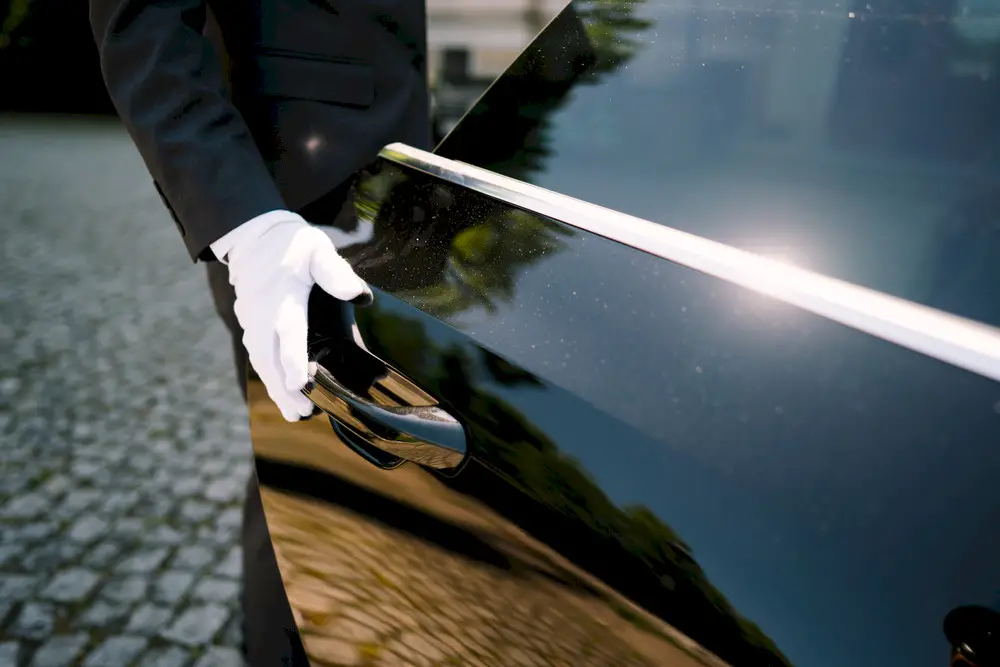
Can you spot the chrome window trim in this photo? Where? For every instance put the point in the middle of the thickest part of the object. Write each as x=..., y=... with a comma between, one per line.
x=955, y=340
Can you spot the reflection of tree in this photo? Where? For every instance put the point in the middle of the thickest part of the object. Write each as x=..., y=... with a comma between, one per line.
x=48, y=61
x=15, y=13
x=630, y=548
x=508, y=129
x=484, y=260
x=611, y=26
x=445, y=249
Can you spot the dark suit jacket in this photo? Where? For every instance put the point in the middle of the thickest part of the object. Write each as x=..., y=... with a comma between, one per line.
x=239, y=107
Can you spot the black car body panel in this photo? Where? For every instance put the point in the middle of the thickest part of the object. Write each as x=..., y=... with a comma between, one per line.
x=664, y=466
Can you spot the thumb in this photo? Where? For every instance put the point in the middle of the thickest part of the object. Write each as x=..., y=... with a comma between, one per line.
x=334, y=275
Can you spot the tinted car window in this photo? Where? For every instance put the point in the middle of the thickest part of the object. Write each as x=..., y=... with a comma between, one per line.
x=857, y=139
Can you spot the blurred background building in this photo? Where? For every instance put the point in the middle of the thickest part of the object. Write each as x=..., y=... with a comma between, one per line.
x=471, y=42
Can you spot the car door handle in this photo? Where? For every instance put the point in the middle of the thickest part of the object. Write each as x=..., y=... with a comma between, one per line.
x=426, y=435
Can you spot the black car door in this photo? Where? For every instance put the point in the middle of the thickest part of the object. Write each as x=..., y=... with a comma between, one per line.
x=671, y=361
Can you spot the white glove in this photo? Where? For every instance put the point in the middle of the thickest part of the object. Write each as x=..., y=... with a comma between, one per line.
x=272, y=268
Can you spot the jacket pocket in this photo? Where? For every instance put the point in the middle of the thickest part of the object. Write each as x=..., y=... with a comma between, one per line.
x=320, y=78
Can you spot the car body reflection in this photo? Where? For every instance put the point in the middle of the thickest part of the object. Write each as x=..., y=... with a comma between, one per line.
x=398, y=566
x=666, y=468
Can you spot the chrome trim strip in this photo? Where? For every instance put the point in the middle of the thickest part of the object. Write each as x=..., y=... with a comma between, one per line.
x=955, y=340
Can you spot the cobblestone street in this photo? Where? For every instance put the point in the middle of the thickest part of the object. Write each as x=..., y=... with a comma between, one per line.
x=125, y=444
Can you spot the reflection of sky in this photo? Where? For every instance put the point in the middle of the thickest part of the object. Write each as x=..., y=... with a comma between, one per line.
x=856, y=230
x=874, y=225
x=877, y=221
x=818, y=474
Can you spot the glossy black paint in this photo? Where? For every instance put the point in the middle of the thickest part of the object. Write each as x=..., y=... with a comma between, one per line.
x=839, y=490
x=778, y=488
x=856, y=139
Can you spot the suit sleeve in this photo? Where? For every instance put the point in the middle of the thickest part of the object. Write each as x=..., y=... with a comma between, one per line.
x=167, y=84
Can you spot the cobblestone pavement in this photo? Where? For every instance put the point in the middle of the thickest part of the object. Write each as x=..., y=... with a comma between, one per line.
x=125, y=444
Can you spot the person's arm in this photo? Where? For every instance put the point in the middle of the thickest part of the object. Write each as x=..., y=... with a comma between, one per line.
x=167, y=84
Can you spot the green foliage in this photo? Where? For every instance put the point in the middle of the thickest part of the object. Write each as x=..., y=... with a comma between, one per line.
x=373, y=190
x=485, y=259
x=611, y=26
x=17, y=12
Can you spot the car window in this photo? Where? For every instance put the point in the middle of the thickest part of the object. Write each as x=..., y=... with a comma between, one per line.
x=856, y=139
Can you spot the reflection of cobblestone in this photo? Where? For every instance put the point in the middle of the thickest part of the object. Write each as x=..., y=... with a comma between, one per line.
x=124, y=440
x=371, y=594
x=367, y=593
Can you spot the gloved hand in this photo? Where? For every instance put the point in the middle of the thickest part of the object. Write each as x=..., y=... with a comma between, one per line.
x=273, y=272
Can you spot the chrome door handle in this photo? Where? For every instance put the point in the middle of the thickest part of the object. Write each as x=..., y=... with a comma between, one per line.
x=423, y=434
